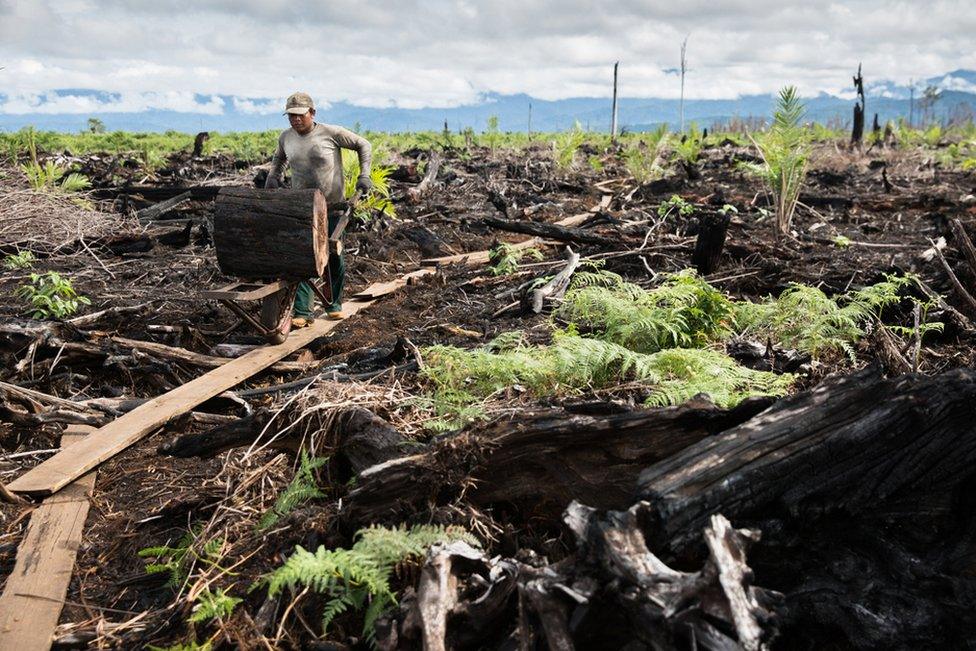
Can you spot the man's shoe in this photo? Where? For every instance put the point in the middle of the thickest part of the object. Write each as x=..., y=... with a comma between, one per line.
x=335, y=316
x=300, y=322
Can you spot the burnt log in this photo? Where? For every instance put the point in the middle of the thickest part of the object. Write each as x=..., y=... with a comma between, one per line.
x=539, y=462
x=849, y=445
x=548, y=231
x=356, y=439
x=271, y=234
x=712, y=228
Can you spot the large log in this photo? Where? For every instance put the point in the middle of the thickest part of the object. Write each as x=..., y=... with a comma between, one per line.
x=271, y=234
x=538, y=462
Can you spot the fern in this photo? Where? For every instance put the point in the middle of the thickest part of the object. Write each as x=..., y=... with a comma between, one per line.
x=684, y=311
x=359, y=578
x=808, y=320
x=505, y=258
x=572, y=364
x=301, y=489
x=176, y=561
x=213, y=605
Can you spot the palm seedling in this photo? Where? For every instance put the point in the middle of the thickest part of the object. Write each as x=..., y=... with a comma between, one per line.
x=784, y=150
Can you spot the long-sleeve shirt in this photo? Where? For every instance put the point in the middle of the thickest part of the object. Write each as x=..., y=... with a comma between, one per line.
x=316, y=158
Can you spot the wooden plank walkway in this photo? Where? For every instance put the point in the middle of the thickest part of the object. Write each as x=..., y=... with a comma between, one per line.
x=108, y=440
x=33, y=596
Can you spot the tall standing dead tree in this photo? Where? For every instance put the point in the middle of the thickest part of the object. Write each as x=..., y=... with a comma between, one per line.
x=857, y=132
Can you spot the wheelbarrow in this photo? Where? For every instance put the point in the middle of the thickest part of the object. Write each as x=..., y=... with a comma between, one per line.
x=273, y=240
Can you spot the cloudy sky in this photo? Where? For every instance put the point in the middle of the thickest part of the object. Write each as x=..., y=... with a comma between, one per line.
x=412, y=53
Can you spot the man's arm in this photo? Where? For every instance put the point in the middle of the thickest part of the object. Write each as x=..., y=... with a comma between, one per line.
x=364, y=150
x=277, y=165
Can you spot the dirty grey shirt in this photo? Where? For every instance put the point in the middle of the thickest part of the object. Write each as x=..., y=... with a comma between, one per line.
x=316, y=158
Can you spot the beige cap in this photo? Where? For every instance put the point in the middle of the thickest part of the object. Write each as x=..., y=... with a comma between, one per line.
x=299, y=103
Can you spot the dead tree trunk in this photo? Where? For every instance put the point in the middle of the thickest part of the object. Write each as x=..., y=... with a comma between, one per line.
x=711, y=240
x=271, y=234
x=857, y=131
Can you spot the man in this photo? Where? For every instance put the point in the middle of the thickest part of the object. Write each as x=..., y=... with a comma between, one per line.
x=314, y=153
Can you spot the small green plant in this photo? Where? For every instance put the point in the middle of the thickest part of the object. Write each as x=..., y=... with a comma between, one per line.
x=377, y=200
x=359, y=578
x=565, y=146
x=492, y=133
x=190, y=645
x=688, y=148
x=95, y=126
x=728, y=209
x=784, y=150
x=675, y=206
x=20, y=260
x=641, y=158
x=177, y=560
x=842, y=242
x=301, y=489
x=805, y=318
x=213, y=605
x=504, y=258
x=51, y=295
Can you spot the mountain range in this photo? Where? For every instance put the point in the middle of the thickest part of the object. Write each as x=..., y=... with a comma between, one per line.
x=957, y=99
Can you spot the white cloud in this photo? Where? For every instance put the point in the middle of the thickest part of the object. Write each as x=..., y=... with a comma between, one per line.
x=450, y=52
x=75, y=103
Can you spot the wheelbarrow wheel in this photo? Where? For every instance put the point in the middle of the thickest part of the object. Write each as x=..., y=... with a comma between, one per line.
x=276, y=314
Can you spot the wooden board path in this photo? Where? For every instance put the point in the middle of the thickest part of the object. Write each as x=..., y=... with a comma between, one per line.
x=107, y=441
x=33, y=596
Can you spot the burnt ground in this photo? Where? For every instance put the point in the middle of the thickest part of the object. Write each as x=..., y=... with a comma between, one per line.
x=890, y=205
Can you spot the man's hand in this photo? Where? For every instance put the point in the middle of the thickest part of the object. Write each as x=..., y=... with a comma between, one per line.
x=364, y=184
x=271, y=183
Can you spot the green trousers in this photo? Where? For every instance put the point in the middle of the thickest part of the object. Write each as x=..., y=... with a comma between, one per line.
x=305, y=297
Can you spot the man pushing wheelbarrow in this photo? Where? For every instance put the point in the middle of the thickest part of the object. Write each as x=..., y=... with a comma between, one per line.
x=314, y=153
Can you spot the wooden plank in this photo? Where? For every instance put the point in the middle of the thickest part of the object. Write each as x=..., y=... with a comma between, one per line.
x=376, y=290
x=66, y=466
x=245, y=291
x=33, y=596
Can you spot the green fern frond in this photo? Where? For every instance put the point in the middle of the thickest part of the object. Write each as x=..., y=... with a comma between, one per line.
x=360, y=575
x=302, y=488
x=213, y=605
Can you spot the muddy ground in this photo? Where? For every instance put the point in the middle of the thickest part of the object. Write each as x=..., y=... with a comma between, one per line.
x=892, y=206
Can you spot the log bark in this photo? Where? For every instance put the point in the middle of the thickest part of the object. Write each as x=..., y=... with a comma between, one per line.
x=711, y=240
x=548, y=231
x=848, y=446
x=539, y=462
x=271, y=234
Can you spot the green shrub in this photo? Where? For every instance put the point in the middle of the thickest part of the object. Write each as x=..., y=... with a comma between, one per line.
x=51, y=295
x=19, y=260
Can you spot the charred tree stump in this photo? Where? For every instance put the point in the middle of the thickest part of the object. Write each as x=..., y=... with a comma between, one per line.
x=711, y=240
x=271, y=234
x=198, y=142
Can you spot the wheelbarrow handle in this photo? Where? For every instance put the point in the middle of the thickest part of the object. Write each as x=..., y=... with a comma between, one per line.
x=340, y=226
